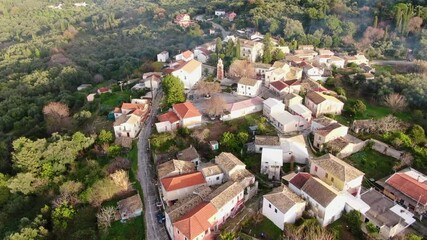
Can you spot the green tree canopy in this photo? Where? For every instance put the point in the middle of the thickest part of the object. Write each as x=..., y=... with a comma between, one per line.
x=174, y=90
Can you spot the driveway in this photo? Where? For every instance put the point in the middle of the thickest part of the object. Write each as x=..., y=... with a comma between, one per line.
x=154, y=230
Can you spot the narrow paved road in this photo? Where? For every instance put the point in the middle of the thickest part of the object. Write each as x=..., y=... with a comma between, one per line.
x=154, y=230
x=223, y=32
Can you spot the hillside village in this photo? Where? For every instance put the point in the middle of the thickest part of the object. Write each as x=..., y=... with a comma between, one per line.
x=201, y=120
x=199, y=195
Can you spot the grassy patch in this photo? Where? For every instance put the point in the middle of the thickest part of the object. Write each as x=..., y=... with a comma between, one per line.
x=115, y=99
x=372, y=163
x=379, y=69
x=341, y=230
x=132, y=229
x=264, y=228
x=253, y=162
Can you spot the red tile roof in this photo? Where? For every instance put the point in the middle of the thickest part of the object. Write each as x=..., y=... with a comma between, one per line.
x=104, y=90
x=195, y=222
x=279, y=85
x=409, y=186
x=183, y=181
x=168, y=117
x=300, y=179
x=251, y=102
x=132, y=106
x=187, y=54
x=186, y=110
x=293, y=82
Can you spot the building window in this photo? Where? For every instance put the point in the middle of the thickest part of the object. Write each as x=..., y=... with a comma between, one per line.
x=275, y=210
x=269, y=205
x=177, y=231
x=315, y=168
x=217, y=178
x=332, y=179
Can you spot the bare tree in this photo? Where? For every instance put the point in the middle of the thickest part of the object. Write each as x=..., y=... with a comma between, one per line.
x=105, y=217
x=70, y=33
x=98, y=78
x=57, y=116
x=421, y=66
x=121, y=179
x=242, y=68
x=396, y=102
x=208, y=88
x=215, y=106
x=388, y=124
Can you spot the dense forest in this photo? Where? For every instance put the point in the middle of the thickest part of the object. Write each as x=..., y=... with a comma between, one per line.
x=48, y=48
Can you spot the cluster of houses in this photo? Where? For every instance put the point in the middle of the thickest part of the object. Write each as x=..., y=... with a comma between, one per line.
x=333, y=187
x=200, y=197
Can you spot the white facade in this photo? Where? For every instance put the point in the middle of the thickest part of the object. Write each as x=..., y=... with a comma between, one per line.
x=279, y=218
x=166, y=126
x=130, y=128
x=320, y=139
x=294, y=148
x=242, y=108
x=271, y=162
x=286, y=122
x=249, y=90
x=192, y=122
x=328, y=106
x=163, y=56
x=216, y=179
x=179, y=193
x=272, y=105
x=189, y=77
x=219, y=13
x=300, y=110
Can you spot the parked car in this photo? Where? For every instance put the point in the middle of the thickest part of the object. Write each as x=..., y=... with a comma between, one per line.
x=160, y=217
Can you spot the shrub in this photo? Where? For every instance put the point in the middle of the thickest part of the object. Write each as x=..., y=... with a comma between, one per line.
x=371, y=228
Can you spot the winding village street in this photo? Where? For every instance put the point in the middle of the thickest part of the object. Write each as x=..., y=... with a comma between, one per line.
x=154, y=230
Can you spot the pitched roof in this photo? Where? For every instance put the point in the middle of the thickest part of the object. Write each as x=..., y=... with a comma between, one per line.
x=327, y=129
x=244, y=104
x=227, y=161
x=184, y=205
x=130, y=205
x=342, y=170
x=183, y=181
x=195, y=222
x=271, y=102
x=188, y=154
x=168, y=117
x=120, y=120
x=248, y=81
x=293, y=82
x=380, y=208
x=409, y=186
x=300, y=179
x=267, y=140
x=319, y=191
x=182, y=167
x=132, y=106
x=325, y=121
x=284, y=200
x=315, y=97
x=279, y=85
x=225, y=193
x=187, y=54
x=191, y=65
x=104, y=90
x=211, y=170
x=186, y=110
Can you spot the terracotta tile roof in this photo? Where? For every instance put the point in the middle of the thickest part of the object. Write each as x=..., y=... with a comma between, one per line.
x=244, y=104
x=104, y=90
x=183, y=181
x=319, y=191
x=300, y=179
x=279, y=85
x=293, y=82
x=284, y=200
x=329, y=128
x=180, y=17
x=335, y=166
x=186, y=110
x=187, y=54
x=315, y=97
x=196, y=221
x=267, y=140
x=409, y=186
x=132, y=106
x=227, y=161
x=211, y=170
x=168, y=117
x=179, y=166
x=188, y=154
x=248, y=81
x=191, y=65
x=184, y=205
x=152, y=74
x=225, y=193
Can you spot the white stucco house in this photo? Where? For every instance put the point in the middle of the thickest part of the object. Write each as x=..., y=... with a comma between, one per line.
x=188, y=72
x=272, y=105
x=294, y=149
x=271, y=162
x=286, y=122
x=300, y=110
x=248, y=87
x=129, y=119
x=180, y=186
x=201, y=54
x=283, y=87
x=282, y=207
x=242, y=108
x=182, y=115
x=328, y=133
x=251, y=50
x=227, y=199
x=185, y=56
x=262, y=142
x=326, y=203
x=163, y=56
x=320, y=104
x=213, y=174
